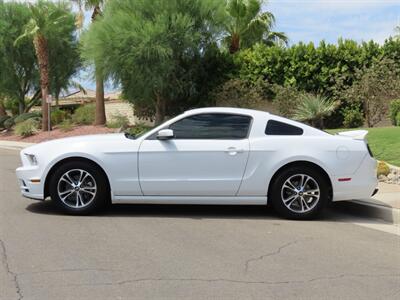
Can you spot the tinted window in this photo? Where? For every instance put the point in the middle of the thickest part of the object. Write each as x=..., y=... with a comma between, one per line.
x=212, y=126
x=280, y=128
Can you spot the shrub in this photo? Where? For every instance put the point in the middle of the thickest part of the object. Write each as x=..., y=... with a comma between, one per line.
x=27, y=127
x=84, y=115
x=118, y=121
x=26, y=116
x=398, y=119
x=352, y=117
x=394, y=111
x=2, y=120
x=286, y=99
x=66, y=125
x=137, y=129
x=9, y=123
x=383, y=168
x=58, y=116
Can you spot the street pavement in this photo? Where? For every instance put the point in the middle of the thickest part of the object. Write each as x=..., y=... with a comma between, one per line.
x=190, y=252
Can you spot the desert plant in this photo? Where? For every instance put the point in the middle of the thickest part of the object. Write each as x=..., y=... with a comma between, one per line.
x=394, y=110
x=26, y=116
x=27, y=127
x=84, y=115
x=9, y=123
x=352, y=117
x=66, y=125
x=313, y=109
x=118, y=121
x=58, y=115
x=383, y=168
x=2, y=120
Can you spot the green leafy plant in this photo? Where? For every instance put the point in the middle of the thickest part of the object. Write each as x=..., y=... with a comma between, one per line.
x=118, y=121
x=352, y=117
x=398, y=119
x=66, y=125
x=313, y=109
x=27, y=127
x=137, y=129
x=84, y=115
x=394, y=110
x=58, y=116
x=9, y=123
x=26, y=116
x=2, y=120
x=286, y=99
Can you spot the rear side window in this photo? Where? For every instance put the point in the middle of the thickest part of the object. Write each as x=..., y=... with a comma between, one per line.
x=212, y=126
x=280, y=128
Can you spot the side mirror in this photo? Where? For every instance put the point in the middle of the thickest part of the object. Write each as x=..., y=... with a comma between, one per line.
x=165, y=134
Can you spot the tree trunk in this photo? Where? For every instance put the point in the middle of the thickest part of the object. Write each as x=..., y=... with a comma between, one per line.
x=235, y=44
x=100, y=118
x=160, y=110
x=2, y=109
x=21, y=106
x=42, y=55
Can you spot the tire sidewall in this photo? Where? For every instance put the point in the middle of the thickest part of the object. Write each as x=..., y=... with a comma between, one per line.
x=276, y=198
x=102, y=194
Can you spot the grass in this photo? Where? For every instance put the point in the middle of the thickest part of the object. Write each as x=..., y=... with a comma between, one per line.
x=383, y=141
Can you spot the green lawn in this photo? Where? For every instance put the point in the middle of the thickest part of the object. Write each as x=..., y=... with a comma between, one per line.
x=383, y=141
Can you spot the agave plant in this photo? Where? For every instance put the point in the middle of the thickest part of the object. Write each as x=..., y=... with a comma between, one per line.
x=314, y=108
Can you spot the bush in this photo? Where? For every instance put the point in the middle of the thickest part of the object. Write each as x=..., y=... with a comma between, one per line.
x=394, y=111
x=58, y=116
x=27, y=127
x=352, y=117
x=286, y=99
x=2, y=120
x=84, y=115
x=137, y=129
x=118, y=121
x=398, y=119
x=66, y=125
x=383, y=168
x=9, y=123
x=26, y=116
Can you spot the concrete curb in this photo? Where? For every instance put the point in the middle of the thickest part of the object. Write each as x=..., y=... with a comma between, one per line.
x=383, y=212
x=13, y=145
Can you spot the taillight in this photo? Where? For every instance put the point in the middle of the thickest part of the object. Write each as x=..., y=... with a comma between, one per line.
x=369, y=151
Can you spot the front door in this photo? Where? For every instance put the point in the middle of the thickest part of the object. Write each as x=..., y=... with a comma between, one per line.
x=206, y=157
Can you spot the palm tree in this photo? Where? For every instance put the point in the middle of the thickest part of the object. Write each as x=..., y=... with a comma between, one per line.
x=397, y=31
x=96, y=6
x=46, y=17
x=246, y=25
x=313, y=109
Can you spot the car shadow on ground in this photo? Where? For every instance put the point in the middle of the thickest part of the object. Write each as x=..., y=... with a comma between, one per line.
x=335, y=212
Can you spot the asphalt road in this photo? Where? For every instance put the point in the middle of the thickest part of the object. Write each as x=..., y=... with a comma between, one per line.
x=188, y=252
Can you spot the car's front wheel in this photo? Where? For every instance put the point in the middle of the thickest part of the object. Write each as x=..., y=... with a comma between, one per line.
x=299, y=193
x=79, y=187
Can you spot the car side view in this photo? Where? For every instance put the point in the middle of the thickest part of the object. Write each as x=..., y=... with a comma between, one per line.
x=204, y=156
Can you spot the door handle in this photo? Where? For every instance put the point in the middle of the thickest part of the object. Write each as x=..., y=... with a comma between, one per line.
x=233, y=151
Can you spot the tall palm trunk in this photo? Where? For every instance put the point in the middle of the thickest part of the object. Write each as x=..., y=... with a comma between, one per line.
x=100, y=115
x=42, y=55
x=235, y=43
x=160, y=110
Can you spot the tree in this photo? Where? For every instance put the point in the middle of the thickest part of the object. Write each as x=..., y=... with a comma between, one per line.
x=153, y=48
x=246, y=25
x=314, y=108
x=46, y=20
x=96, y=6
x=374, y=89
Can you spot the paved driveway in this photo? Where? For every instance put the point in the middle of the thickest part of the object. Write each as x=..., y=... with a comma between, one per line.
x=188, y=252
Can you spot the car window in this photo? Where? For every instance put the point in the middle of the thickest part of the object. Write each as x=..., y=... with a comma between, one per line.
x=212, y=126
x=279, y=128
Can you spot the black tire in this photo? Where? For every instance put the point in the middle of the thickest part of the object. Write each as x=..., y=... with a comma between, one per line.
x=275, y=193
x=101, y=198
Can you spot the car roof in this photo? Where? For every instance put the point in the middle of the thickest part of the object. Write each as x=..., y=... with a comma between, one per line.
x=232, y=110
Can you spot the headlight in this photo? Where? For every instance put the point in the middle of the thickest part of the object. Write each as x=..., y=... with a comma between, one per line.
x=32, y=159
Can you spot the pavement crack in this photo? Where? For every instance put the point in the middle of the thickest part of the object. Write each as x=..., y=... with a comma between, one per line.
x=14, y=276
x=276, y=252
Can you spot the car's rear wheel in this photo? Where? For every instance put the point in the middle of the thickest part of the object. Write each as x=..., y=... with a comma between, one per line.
x=79, y=187
x=299, y=193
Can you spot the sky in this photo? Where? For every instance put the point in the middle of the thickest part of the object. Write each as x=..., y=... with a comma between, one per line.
x=316, y=20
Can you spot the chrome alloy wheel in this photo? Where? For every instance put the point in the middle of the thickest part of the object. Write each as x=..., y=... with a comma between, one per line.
x=300, y=193
x=76, y=188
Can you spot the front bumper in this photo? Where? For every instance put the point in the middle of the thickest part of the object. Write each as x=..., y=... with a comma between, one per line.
x=30, y=183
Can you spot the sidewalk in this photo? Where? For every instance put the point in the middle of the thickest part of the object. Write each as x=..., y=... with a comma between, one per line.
x=12, y=145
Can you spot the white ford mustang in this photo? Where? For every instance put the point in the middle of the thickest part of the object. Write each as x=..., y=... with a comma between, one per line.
x=204, y=156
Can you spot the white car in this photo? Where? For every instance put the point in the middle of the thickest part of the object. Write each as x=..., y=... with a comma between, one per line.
x=204, y=156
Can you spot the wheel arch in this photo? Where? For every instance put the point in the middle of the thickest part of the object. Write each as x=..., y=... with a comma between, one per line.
x=302, y=163
x=70, y=159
